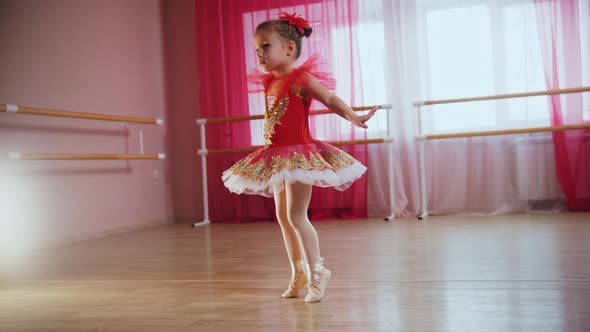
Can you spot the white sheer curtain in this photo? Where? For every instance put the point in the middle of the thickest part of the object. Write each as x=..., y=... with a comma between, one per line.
x=439, y=49
x=413, y=50
x=401, y=81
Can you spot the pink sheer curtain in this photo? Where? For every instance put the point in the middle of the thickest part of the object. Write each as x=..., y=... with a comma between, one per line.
x=224, y=31
x=561, y=40
x=222, y=87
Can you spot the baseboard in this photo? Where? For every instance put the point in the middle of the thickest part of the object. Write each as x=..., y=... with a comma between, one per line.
x=188, y=221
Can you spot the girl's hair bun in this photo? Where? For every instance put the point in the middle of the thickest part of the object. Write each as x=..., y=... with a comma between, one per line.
x=307, y=32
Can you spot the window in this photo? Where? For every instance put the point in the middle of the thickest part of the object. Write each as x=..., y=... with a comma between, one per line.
x=482, y=48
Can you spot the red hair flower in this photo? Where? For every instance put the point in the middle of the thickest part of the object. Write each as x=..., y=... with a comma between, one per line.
x=295, y=20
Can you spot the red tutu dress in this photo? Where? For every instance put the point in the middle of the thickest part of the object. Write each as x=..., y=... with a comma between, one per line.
x=290, y=153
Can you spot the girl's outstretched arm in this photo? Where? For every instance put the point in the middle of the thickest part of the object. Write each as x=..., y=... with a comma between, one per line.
x=317, y=91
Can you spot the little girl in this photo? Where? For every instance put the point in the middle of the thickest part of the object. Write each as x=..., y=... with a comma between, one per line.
x=291, y=161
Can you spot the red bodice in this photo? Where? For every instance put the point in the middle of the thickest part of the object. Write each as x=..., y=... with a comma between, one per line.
x=287, y=105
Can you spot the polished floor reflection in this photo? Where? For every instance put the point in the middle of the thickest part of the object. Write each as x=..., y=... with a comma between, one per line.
x=452, y=273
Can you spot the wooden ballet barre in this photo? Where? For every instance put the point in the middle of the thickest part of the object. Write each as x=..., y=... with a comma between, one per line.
x=503, y=96
x=338, y=143
x=65, y=156
x=203, y=152
x=11, y=108
x=261, y=116
x=422, y=138
x=508, y=131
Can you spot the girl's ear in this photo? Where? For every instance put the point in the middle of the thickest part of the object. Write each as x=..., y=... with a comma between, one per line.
x=290, y=47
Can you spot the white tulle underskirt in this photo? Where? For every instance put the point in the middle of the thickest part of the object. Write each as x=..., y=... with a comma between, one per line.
x=339, y=179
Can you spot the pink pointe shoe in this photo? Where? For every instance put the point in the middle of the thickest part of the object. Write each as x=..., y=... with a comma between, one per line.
x=295, y=285
x=317, y=282
x=299, y=281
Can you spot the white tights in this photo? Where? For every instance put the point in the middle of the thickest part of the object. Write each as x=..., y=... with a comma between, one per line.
x=301, y=239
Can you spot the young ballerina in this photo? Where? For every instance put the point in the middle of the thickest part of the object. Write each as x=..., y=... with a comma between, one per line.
x=291, y=161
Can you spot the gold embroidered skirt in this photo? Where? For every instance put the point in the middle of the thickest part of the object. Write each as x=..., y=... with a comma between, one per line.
x=318, y=163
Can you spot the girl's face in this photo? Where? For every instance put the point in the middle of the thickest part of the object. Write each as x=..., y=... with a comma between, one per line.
x=273, y=53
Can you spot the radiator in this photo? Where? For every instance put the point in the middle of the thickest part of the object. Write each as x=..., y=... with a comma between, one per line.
x=534, y=170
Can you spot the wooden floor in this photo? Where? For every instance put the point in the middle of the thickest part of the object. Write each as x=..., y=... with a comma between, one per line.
x=453, y=273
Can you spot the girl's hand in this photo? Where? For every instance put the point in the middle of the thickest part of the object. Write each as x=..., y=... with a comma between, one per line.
x=360, y=120
x=336, y=105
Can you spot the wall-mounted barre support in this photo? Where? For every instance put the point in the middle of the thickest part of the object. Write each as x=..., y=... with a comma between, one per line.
x=16, y=109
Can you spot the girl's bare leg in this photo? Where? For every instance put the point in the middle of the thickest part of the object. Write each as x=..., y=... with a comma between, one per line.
x=292, y=245
x=298, y=197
